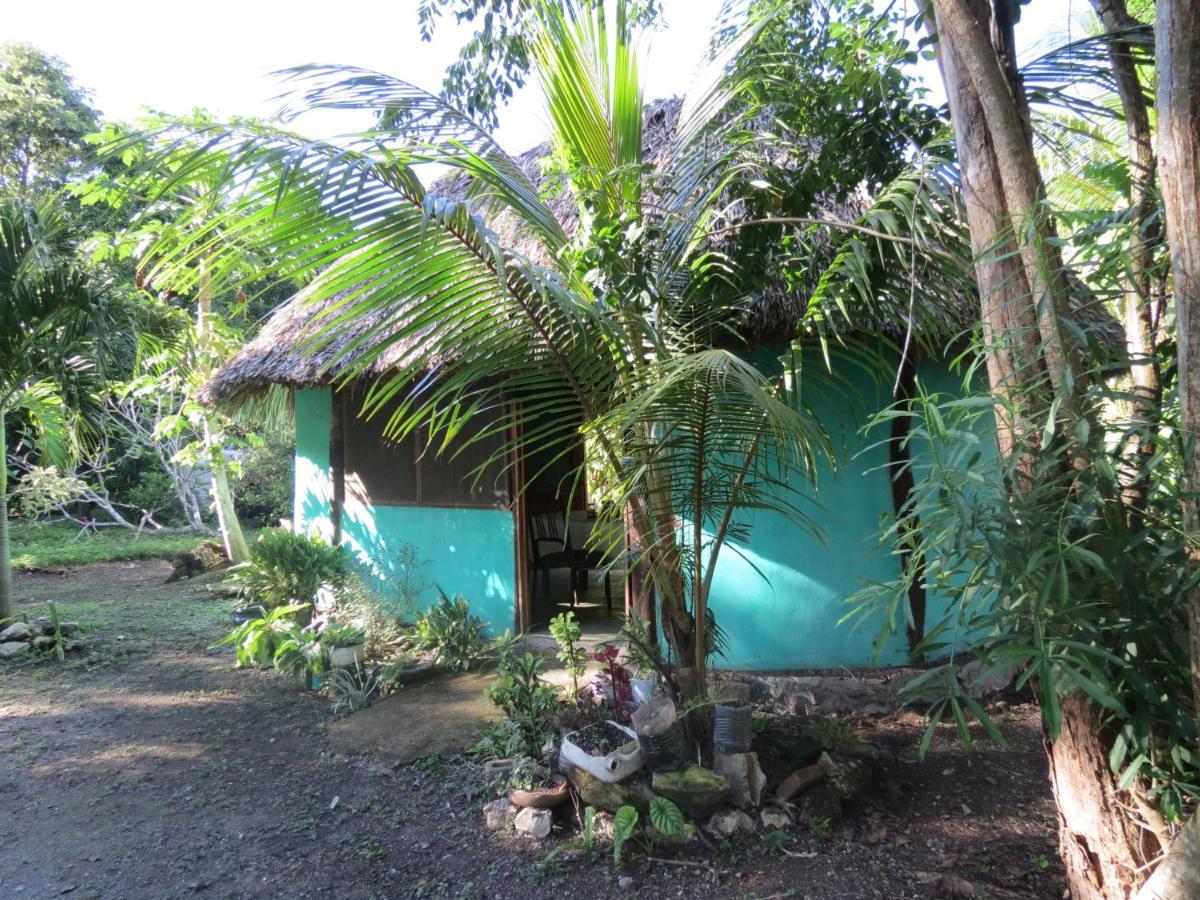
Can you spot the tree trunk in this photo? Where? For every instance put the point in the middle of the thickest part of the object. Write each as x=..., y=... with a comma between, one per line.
x=1177, y=49
x=227, y=520
x=1100, y=842
x=1032, y=362
x=1010, y=330
x=966, y=25
x=1178, y=875
x=1144, y=238
x=6, y=595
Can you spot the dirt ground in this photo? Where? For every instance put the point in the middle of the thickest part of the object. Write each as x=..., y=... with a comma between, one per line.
x=154, y=769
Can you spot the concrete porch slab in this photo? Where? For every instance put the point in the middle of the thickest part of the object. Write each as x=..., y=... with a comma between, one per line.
x=441, y=715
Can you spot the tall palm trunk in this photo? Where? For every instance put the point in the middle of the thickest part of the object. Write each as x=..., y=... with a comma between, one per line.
x=6, y=598
x=1033, y=368
x=227, y=520
x=1144, y=238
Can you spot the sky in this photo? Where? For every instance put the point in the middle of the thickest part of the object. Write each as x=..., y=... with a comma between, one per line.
x=219, y=54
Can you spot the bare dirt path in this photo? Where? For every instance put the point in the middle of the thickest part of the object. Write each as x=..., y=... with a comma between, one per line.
x=153, y=769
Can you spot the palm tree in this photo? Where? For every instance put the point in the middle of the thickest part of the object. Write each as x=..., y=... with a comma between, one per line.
x=46, y=318
x=623, y=327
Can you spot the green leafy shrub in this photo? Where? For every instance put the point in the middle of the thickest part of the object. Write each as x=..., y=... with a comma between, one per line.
x=666, y=817
x=625, y=821
x=566, y=632
x=353, y=689
x=256, y=641
x=341, y=634
x=529, y=703
x=299, y=650
x=289, y=568
x=452, y=633
x=386, y=606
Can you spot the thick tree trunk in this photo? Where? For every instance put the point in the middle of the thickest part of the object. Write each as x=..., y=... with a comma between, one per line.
x=1177, y=49
x=1032, y=362
x=6, y=595
x=1178, y=876
x=967, y=25
x=1102, y=845
x=1144, y=238
x=1010, y=330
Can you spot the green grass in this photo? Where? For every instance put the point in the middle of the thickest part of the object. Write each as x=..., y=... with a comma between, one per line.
x=54, y=545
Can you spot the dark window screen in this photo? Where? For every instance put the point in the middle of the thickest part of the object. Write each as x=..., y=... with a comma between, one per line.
x=382, y=470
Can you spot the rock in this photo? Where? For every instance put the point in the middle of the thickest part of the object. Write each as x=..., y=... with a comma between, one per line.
x=698, y=792
x=534, y=823
x=10, y=649
x=800, y=780
x=745, y=776
x=610, y=796
x=831, y=694
x=847, y=775
x=730, y=822
x=43, y=625
x=498, y=813
x=819, y=803
x=44, y=642
x=983, y=681
x=774, y=818
x=625, y=883
x=17, y=631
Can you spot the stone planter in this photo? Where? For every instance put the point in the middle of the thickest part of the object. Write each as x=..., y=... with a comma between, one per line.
x=347, y=657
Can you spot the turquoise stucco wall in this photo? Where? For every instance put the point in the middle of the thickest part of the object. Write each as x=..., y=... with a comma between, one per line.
x=462, y=551
x=780, y=596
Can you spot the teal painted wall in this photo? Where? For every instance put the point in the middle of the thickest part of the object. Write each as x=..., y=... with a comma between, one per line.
x=313, y=498
x=781, y=596
x=463, y=551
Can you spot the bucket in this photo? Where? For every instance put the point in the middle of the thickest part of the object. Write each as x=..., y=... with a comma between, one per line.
x=731, y=729
x=660, y=735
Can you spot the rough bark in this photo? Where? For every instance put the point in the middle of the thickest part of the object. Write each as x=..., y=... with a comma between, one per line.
x=1177, y=49
x=1144, y=239
x=1010, y=330
x=1101, y=845
x=966, y=25
x=1031, y=362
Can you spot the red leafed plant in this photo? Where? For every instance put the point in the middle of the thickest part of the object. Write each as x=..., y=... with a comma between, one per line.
x=620, y=692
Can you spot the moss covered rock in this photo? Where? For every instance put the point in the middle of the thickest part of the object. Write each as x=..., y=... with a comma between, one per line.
x=697, y=791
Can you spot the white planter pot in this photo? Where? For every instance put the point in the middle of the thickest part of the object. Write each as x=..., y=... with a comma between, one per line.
x=619, y=763
x=347, y=657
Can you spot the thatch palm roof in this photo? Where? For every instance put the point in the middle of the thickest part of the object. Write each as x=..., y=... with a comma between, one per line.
x=285, y=354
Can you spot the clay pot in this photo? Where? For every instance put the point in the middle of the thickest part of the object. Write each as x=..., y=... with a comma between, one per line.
x=541, y=798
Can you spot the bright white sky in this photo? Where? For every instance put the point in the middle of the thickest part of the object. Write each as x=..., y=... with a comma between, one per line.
x=218, y=54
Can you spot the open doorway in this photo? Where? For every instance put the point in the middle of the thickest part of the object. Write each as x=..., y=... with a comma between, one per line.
x=557, y=545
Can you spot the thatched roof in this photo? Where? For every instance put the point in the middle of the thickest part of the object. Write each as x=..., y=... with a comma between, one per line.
x=284, y=353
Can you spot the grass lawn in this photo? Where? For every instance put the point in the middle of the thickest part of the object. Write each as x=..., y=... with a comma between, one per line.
x=48, y=545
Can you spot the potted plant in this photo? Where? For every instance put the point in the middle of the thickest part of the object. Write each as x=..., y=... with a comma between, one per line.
x=346, y=644
x=533, y=785
x=301, y=655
